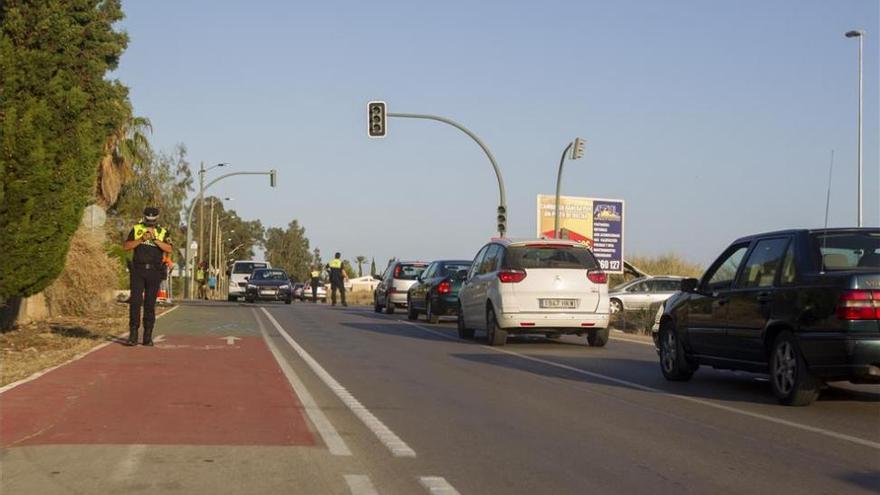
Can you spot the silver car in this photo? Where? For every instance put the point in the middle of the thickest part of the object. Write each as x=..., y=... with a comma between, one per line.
x=395, y=283
x=643, y=293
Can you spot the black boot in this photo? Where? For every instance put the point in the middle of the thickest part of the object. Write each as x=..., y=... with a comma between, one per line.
x=148, y=337
x=132, y=337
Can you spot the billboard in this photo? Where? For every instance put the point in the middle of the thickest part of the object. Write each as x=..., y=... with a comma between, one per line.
x=596, y=222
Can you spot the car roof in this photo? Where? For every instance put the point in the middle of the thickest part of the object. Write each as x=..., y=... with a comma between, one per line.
x=454, y=261
x=836, y=230
x=507, y=242
x=411, y=262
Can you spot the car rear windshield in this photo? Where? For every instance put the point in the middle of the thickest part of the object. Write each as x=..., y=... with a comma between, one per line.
x=550, y=256
x=270, y=275
x=406, y=271
x=451, y=269
x=848, y=250
x=247, y=267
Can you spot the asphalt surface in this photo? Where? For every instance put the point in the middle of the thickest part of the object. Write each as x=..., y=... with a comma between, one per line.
x=398, y=407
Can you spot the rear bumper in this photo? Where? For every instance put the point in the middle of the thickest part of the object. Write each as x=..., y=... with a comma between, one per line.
x=445, y=305
x=837, y=356
x=397, y=298
x=536, y=322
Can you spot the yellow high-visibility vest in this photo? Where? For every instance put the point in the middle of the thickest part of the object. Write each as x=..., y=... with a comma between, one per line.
x=316, y=274
x=140, y=229
x=336, y=263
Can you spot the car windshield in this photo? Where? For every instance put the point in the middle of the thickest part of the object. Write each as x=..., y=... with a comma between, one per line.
x=247, y=267
x=408, y=271
x=842, y=251
x=550, y=256
x=269, y=275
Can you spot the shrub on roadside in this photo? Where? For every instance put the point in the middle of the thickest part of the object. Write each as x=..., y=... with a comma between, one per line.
x=85, y=285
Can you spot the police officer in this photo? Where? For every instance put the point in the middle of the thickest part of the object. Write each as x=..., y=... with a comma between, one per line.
x=337, y=278
x=315, y=280
x=149, y=242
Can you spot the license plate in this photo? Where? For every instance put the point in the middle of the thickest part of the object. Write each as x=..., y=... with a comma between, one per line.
x=558, y=303
x=267, y=292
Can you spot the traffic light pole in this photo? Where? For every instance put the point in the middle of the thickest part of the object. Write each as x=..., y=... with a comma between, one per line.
x=502, y=207
x=187, y=288
x=558, y=188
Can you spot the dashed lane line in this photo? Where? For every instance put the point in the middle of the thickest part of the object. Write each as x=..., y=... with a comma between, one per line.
x=388, y=438
x=335, y=444
x=360, y=484
x=694, y=400
x=437, y=485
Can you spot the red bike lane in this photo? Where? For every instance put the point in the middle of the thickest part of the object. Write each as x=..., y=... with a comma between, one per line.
x=187, y=390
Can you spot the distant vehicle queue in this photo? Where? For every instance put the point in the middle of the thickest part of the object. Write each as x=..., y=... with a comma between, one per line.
x=802, y=306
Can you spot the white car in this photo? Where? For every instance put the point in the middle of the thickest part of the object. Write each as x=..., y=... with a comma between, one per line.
x=239, y=273
x=542, y=286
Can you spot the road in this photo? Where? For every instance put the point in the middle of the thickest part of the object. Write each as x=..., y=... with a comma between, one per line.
x=350, y=401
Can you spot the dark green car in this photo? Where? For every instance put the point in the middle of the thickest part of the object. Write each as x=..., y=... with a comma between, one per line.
x=435, y=292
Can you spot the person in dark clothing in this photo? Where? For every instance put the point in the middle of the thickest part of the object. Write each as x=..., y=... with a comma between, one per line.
x=337, y=279
x=149, y=242
x=315, y=280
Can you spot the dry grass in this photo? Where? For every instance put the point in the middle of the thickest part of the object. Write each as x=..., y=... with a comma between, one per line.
x=85, y=285
x=41, y=345
x=359, y=298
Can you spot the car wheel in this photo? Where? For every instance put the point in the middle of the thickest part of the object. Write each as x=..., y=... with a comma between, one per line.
x=429, y=313
x=288, y=301
x=248, y=300
x=463, y=331
x=616, y=306
x=231, y=298
x=792, y=382
x=376, y=307
x=495, y=335
x=389, y=306
x=597, y=337
x=673, y=362
x=411, y=313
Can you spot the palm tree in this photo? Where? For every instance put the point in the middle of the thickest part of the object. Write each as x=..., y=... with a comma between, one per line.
x=360, y=261
x=127, y=147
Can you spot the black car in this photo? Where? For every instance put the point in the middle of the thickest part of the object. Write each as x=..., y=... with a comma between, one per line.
x=435, y=292
x=801, y=305
x=269, y=284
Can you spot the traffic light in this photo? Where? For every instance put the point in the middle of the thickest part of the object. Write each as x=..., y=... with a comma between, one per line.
x=273, y=178
x=502, y=220
x=577, y=148
x=376, y=119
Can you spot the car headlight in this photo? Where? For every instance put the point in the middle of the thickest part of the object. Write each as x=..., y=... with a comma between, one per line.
x=251, y=286
x=284, y=287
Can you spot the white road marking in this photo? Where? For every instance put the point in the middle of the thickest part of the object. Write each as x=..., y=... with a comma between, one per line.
x=158, y=338
x=328, y=433
x=79, y=356
x=230, y=340
x=360, y=484
x=129, y=464
x=694, y=400
x=437, y=485
x=397, y=446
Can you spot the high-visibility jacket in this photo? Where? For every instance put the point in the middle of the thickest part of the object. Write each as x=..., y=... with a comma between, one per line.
x=140, y=229
x=336, y=263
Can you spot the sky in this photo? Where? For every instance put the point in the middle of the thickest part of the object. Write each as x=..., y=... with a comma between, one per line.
x=711, y=119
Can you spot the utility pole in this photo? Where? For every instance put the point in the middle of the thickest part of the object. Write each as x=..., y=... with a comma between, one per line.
x=860, y=34
x=201, y=211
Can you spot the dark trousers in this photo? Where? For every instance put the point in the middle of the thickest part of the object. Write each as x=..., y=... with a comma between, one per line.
x=334, y=286
x=144, y=289
x=314, y=292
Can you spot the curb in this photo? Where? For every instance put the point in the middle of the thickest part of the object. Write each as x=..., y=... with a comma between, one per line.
x=79, y=356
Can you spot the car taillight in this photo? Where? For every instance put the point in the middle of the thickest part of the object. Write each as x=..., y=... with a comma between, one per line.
x=511, y=276
x=444, y=287
x=859, y=305
x=597, y=277
x=396, y=271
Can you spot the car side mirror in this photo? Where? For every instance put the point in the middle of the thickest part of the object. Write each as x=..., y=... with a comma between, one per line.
x=689, y=285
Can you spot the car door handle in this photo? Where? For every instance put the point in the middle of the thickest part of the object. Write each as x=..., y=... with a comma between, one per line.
x=764, y=297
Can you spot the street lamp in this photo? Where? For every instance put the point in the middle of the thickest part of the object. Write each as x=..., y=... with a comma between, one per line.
x=577, y=152
x=202, y=171
x=860, y=34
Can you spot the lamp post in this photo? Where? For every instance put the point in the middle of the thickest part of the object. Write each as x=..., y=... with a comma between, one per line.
x=272, y=183
x=860, y=34
x=202, y=171
x=577, y=152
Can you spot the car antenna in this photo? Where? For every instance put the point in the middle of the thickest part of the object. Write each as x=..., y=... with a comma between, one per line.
x=827, y=207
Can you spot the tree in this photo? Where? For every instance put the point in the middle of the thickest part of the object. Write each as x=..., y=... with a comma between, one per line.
x=289, y=249
x=316, y=259
x=373, y=268
x=360, y=261
x=57, y=110
x=349, y=270
x=125, y=149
